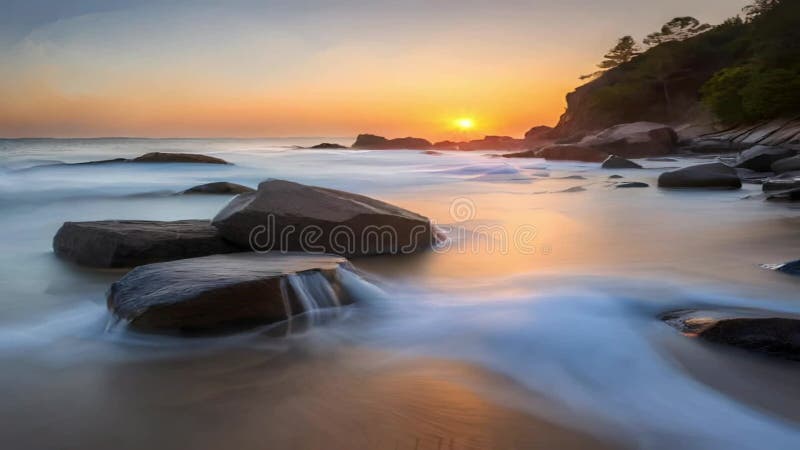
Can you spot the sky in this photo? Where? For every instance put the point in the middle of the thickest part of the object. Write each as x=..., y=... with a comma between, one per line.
x=247, y=68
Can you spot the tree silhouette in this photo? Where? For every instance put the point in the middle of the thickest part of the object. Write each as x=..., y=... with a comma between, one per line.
x=759, y=7
x=625, y=50
x=677, y=29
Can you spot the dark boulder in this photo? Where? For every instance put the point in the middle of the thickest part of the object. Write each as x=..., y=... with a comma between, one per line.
x=786, y=165
x=711, y=175
x=220, y=187
x=761, y=157
x=790, y=268
x=159, y=157
x=791, y=195
x=226, y=292
x=327, y=145
x=129, y=243
x=615, y=162
x=780, y=184
x=373, y=142
x=773, y=336
x=295, y=217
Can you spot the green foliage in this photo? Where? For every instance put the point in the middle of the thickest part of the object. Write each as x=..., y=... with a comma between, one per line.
x=723, y=93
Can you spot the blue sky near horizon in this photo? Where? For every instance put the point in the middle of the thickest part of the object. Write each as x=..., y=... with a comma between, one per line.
x=277, y=68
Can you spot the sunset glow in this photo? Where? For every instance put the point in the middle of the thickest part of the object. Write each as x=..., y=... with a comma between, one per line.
x=465, y=123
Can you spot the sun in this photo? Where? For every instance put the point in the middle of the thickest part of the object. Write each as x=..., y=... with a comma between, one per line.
x=464, y=123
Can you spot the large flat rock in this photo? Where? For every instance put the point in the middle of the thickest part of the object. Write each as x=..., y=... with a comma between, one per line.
x=750, y=330
x=129, y=243
x=288, y=216
x=226, y=292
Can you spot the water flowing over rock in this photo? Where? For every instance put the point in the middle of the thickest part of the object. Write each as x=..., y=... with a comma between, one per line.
x=220, y=187
x=615, y=162
x=226, y=292
x=773, y=336
x=129, y=243
x=295, y=217
x=712, y=175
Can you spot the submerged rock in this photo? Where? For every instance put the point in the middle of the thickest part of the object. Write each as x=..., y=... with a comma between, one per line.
x=220, y=187
x=226, y=292
x=773, y=336
x=711, y=175
x=761, y=157
x=295, y=217
x=632, y=184
x=159, y=157
x=615, y=162
x=129, y=243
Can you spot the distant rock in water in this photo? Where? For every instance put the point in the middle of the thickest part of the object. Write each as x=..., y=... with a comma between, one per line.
x=446, y=145
x=373, y=142
x=711, y=175
x=226, y=292
x=761, y=157
x=432, y=153
x=159, y=157
x=615, y=162
x=327, y=145
x=772, y=336
x=220, y=187
x=295, y=217
x=615, y=177
x=129, y=243
x=563, y=152
x=493, y=143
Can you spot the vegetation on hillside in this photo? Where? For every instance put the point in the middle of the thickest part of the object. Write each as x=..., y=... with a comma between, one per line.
x=742, y=70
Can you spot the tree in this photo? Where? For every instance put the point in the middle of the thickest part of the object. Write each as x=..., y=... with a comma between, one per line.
x=758, y=8
x=625, y=50
x=677, y=29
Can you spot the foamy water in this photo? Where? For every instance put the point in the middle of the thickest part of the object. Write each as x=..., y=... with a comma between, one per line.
x=568, y=324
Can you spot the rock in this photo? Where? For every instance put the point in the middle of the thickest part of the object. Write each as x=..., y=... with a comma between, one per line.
x=129, y=243
x=225, y=292
x=158, y=157
x=711, y=175
x=662, y=159
x=615, y=162
x=310, y=218
x=537, y=136
x=780, y=184
x=220, y=187
x=772, y=336
x=563, y=152
x=493, y=143
x=789, y=164
x=634, y=140
x=327, y=145
x=792, y=194
x=446, y=145
x=761, y=157
x=753, y=177
x=632, y=184
x=432, y=153
x=615, y=177
x=703, y=145
x=571, y=190
x=790, y=268
x=373, y=142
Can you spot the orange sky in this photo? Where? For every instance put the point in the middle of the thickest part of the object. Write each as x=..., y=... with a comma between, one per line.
x=253, y=69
